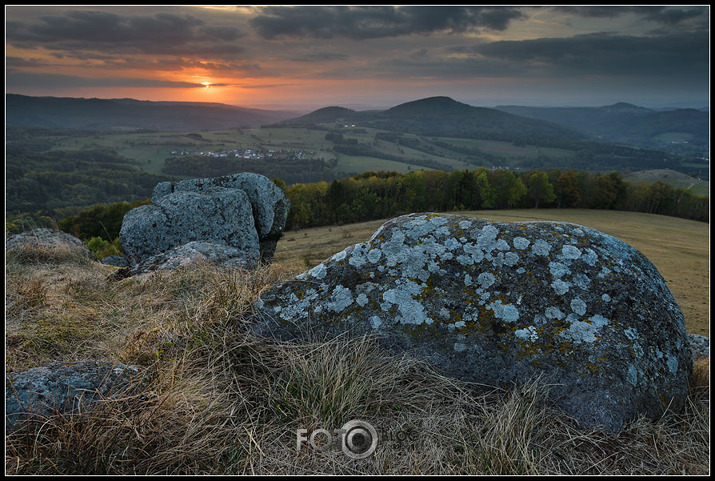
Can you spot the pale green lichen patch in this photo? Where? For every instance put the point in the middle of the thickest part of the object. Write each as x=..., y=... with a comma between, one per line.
x=585, y=331
x=508, y=312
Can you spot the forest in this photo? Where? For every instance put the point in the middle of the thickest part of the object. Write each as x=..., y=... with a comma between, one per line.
x=41, y=178
x=378, y=195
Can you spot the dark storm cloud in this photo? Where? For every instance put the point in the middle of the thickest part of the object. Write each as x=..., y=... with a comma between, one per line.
x=659, y=14
x=109, y=32
x=320, y=57
x=675, y=16
x=361, y=23
x=684, y=54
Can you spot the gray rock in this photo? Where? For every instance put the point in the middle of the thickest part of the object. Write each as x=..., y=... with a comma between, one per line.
x=118, y=261
x=60, y=244
x=700, y=346
x=60, y=388
x=160, y=190
x=269, y=204
x=197, y=251
x=217, y=215
x=500, y=304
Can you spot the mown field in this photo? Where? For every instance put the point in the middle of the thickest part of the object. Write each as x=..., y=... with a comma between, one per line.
x=672, y=178
x=679, y=248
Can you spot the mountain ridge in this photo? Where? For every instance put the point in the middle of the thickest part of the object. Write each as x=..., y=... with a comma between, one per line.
x=441, y=116
x=684, y=130
x=679, y=130
x=110, y=114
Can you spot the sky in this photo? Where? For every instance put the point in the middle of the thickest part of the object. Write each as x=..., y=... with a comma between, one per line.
x=362, y=57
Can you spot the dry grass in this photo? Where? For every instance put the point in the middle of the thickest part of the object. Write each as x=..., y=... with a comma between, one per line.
x=221, y=401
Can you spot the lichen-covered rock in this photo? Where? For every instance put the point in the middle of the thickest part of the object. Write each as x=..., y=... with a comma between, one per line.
x=217, y=215
x=57, y=244
x=700, y=346
x=197, y=251
x=502, y=303
x=118, y=261
x=160, y=190
x=60, y=388
x=269, y=204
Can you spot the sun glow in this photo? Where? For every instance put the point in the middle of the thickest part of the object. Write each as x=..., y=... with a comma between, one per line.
x=206, y=84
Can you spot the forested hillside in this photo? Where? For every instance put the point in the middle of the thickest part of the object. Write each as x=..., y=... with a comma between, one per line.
x=440, y=116
x=39, y=178
x=677, y=130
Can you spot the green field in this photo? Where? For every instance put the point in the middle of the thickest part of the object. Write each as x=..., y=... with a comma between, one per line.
x=150, y=149
x=509, y=150
x=348, y=164
x=672, y=178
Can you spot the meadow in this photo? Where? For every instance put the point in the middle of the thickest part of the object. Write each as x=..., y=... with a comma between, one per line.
x=150, y=150
x=675, y=179
x=217, y=400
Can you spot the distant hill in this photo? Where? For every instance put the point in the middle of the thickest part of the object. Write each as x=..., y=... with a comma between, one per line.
x=441, y=116
x=327, y=114
x=128, y=114
x=679, y=130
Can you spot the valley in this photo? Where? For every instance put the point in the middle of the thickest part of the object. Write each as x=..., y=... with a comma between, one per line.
x=87, y=154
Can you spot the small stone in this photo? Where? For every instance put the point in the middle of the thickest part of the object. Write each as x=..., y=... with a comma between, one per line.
x=63, y=388
x=54, y=244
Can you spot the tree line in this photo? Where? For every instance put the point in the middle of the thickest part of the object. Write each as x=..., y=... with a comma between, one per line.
x=378, y=195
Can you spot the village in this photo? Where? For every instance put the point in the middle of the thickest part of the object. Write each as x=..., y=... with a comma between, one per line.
x=250, y=153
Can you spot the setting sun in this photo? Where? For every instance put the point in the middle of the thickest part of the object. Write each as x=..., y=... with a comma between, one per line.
x=206, y=84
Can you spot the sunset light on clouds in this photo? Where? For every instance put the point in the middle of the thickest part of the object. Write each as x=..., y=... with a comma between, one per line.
x=362, y=57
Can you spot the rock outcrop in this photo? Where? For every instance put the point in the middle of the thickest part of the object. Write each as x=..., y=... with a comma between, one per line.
x=55, y=245
x=500, y=304
x=246, y=213
x=269, y=204
x=60, y=388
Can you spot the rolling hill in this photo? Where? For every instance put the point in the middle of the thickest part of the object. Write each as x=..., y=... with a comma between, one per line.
x=130, y=115
x=441, y=116
x=678, y=130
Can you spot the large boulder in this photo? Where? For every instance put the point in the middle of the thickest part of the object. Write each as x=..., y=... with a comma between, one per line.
x=269, y=204
x=500, y=304
x=47, y=244
x=216, y=215
x=63, y=388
